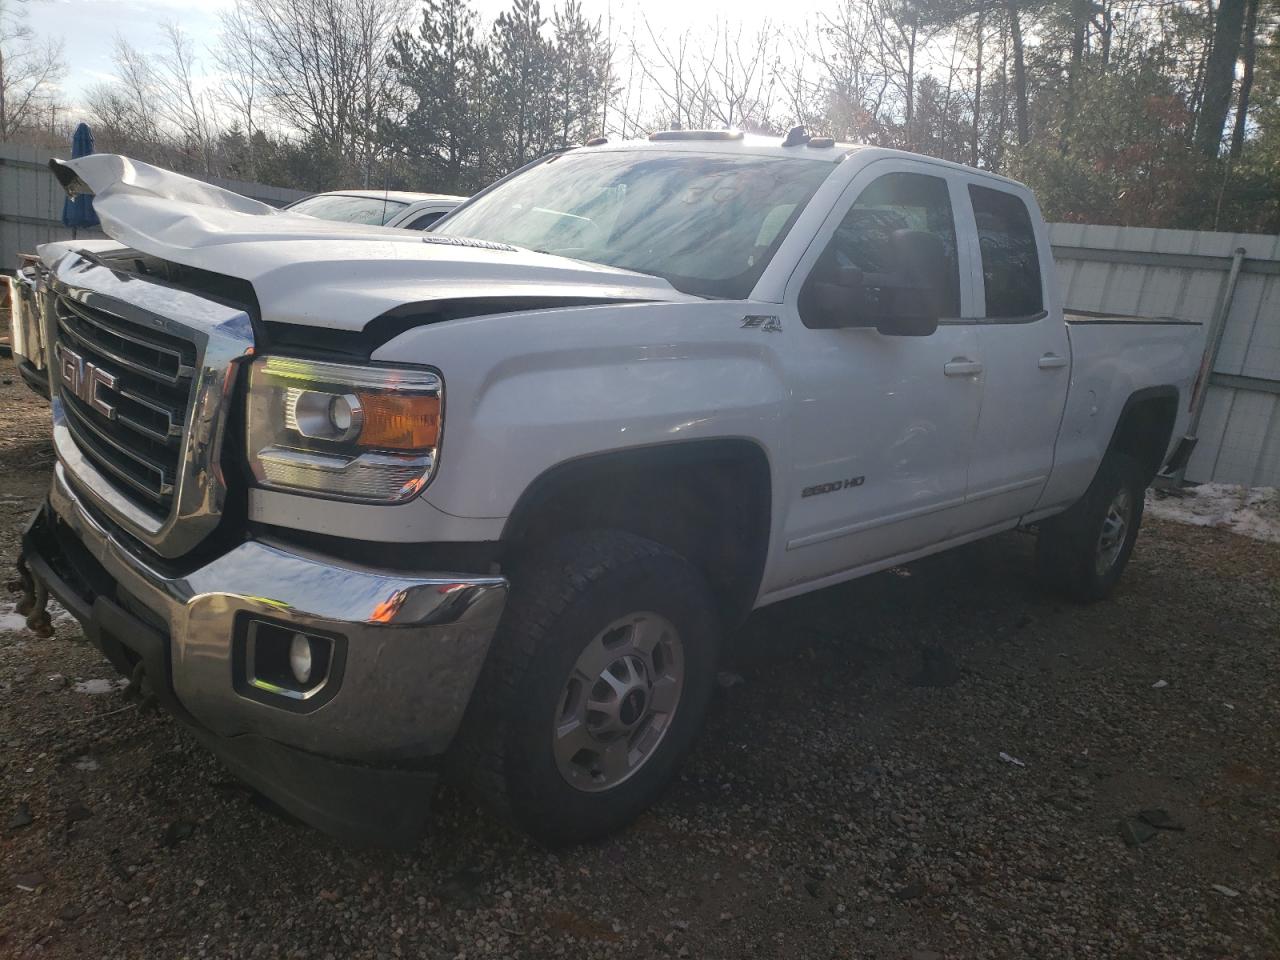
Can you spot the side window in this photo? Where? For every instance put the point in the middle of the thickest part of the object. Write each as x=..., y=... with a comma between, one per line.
x=1010, y=263
x=894, y=202
x=424, y=221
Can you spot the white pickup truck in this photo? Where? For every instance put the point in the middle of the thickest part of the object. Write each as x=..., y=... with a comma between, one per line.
x=361, y=505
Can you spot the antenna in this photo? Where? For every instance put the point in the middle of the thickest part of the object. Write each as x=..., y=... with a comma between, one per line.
x=386, y=188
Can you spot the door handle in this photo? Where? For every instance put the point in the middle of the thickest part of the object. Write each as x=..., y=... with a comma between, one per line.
x=962, y=367
x=1051, y=361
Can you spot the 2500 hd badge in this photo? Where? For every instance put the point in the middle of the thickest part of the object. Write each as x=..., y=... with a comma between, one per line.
x=832, y=487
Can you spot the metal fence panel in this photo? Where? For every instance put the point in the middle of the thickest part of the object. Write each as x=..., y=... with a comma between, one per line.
x=31, y=200
x=1183, y=274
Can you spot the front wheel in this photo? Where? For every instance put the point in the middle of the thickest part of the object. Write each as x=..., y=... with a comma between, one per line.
x=596, y=687
x=1083, y=551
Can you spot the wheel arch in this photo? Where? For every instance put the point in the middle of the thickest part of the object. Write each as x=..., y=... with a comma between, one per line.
x=1144, y=429
x=709, y=500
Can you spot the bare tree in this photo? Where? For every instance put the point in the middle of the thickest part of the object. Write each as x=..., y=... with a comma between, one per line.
x=323, y=68
x=853, y=85
x=185, y=100
x=123, y=109
x=240, y=61
x=30, y=70
x=721, y=77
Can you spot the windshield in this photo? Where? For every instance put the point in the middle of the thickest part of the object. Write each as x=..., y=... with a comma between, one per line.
x=707, y=223
x=339, y=206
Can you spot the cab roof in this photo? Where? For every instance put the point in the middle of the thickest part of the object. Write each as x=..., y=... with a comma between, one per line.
x=758, y=145
x=400, y=196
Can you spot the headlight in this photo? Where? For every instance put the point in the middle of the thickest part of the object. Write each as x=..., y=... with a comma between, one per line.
x=357, y=433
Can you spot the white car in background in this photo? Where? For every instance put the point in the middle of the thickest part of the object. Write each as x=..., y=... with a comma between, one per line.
x=388, y=208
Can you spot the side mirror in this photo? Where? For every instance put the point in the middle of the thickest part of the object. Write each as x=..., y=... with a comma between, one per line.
x=917, y=299
x=904, y=303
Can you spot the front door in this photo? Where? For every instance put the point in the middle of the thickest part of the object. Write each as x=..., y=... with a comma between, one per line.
x=882, y=427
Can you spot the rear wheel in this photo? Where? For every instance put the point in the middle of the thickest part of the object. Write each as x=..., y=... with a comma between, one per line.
x=596, y=687
x=1083, y=551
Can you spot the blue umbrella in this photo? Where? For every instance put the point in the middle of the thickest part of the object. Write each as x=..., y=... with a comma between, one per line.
x=78, y=212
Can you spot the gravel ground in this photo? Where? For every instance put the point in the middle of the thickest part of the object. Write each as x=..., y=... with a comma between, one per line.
x=934, y=762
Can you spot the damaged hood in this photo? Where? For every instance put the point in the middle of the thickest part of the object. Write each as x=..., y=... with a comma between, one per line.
x=323, y=273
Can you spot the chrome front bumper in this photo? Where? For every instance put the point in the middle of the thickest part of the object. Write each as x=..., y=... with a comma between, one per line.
x=413, y=647
x=414, y=644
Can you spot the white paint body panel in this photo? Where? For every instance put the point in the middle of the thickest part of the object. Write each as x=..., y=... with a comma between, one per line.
x=943, y=459
x=1110, y=363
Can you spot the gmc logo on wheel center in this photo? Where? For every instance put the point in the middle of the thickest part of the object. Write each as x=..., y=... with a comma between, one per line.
x=82, y=379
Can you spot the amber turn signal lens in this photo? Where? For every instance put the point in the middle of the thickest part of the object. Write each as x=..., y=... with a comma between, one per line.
x=399, y=422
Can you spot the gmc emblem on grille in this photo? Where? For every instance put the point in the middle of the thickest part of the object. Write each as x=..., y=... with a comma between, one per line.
x=83, y=379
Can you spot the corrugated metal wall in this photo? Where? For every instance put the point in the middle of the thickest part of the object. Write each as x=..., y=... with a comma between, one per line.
x=31, y=201
x=1184, y=274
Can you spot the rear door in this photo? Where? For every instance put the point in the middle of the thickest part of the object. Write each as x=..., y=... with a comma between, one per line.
x=1025, y=352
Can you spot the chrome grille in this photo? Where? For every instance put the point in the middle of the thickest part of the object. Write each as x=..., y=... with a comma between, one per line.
x=130, y=425
x=143, y=375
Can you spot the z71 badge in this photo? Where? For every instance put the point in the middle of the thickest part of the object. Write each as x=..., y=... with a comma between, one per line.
x=764, y=322
x=832, y=487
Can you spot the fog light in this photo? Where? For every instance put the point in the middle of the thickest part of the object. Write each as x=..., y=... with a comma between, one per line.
x=300, y=658
x=279, y=661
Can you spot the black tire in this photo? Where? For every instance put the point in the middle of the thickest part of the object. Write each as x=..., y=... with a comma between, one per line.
x=562, y=597
x=1067, y=550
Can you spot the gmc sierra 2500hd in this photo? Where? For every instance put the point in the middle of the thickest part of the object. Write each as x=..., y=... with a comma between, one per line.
x=354, y=501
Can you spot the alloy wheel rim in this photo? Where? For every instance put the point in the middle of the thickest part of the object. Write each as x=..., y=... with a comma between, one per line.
x=1115, y=529
x=619, y=701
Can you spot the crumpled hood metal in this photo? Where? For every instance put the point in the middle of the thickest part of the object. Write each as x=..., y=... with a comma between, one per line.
x=322, y=273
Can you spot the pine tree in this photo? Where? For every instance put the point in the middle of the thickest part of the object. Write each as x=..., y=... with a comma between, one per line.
x=439, y=67
x=523, y=65
x=583, y=80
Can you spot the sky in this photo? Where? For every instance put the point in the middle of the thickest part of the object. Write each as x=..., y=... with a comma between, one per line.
x=88, y=27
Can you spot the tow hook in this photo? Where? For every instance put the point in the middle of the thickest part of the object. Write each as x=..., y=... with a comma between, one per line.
x=35, y=600
x=140, y=689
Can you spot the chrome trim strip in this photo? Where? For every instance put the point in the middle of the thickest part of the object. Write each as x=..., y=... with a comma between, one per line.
x=181, y=372
x=142, y=370
x=81, y=420
x=222, y=337
x=171, y=413
x=256, y=570
x=166, y=438
x=77, y=422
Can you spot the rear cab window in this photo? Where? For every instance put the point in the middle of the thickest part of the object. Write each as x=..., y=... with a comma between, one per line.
x=1010, y=259
x=426, y=220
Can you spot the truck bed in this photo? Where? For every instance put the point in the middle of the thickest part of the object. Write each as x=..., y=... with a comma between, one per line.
x=1090, y=316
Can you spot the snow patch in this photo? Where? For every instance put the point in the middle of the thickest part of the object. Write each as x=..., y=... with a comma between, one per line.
x=13, y=621
x=97, y=686
x=1249, y=511
x=9, y=620
x=57, y=612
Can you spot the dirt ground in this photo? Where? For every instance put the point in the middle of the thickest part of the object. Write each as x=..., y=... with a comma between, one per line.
x=930, y=763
